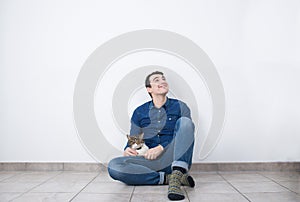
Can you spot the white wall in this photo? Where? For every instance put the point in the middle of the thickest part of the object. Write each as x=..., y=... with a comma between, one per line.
x=255, y=46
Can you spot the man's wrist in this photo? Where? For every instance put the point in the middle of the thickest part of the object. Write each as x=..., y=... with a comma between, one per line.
x=161, y=147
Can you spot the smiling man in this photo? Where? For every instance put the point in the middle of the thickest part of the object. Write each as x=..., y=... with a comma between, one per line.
x=168, y=132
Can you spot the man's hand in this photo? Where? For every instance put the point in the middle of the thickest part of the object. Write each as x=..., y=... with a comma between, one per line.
x=130, y=152
x=153, y=153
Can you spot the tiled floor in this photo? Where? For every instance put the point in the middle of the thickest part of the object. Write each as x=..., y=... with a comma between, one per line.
x=92, y=186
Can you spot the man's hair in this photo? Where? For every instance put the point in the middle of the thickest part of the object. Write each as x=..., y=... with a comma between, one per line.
x=147, y=81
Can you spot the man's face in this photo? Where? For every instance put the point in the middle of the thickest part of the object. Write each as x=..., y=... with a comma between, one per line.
x=159, y=85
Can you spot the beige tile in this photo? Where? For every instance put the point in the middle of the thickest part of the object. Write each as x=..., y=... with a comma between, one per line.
x=216, y=197
x=7, y=174
x=292, y=185
x=32, y=177
x=108, y=188
x=207, y=177
x=104, y=177
x=162, y=189
x=16, y=186
x=47, y=197
x=157, y=197
x=211, y=187
x=283, y=176
x=248, y=187
x=92, y=197
x=68, y=187
x=245, y=177
x=8, y=196
x=274, y=197
x=75, y=177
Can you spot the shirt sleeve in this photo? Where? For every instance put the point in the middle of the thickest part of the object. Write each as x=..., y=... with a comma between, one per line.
x=164, y=144
x=185, y=110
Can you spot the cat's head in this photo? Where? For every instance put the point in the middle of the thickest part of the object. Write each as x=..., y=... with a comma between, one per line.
x=135, y=141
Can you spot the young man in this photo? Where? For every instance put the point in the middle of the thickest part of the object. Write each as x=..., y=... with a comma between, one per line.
x=169, y=134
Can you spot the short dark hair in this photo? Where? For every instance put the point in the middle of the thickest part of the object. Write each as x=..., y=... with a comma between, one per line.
x=147, y=81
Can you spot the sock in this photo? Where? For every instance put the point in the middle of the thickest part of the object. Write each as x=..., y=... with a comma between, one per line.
x=186, y=180
x=174, y=190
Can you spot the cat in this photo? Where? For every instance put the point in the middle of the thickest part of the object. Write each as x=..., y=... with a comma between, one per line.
x=136, y=142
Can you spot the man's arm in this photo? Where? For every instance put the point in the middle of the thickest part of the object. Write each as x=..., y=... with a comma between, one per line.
x=185, y=110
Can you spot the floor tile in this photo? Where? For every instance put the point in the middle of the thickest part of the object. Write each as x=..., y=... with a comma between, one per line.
x=70, y=187
x=49, y=197
x=16, y=186
x=211, y=187
x=293, y=186
x=163, y=189
x=248, y=187
x=32, y=177
x=92, y=197
x=274, y=197
x=157, y=197
x=245, y=177
x=283, y=176
x=6, y=175
x=207, y=177
x=229, y=197
x=108, y=187
x=9, y=196
x=75, y=177
x=104, y=177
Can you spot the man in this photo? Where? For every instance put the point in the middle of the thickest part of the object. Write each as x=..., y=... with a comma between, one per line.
x=169, y=134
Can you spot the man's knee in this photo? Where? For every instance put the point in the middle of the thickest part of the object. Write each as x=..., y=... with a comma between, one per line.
x=114, y=167
x=185, y=123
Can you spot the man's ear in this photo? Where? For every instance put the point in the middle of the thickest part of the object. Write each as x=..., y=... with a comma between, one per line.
x=149, y=90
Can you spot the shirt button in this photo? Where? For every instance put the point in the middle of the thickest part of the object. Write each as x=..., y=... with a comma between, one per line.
x=158, y=110
x=170, y=119
x=159, y=131
x=158, y=121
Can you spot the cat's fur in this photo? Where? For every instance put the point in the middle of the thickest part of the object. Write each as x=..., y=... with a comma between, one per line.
x=136, y=142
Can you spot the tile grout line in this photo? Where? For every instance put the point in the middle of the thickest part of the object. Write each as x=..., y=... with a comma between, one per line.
x=280, y=184
x=234, y=187
x=36, y=186
x=132, y=194
x=84, y=187
x=11, y=177
x=187, y=196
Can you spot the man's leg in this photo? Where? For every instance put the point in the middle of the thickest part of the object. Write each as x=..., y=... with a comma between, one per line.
x=136, y=170
x=183, y=153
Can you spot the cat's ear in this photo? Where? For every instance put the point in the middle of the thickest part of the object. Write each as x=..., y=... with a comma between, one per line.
x=141, y=135
x=127, y=136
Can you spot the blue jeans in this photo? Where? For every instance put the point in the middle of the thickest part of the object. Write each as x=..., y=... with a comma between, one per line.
x=136, y=170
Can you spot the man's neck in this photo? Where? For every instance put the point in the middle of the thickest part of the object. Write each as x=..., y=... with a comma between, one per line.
x=159, y=101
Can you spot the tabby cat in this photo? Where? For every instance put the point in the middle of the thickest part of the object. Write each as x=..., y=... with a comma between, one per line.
x=136, y=142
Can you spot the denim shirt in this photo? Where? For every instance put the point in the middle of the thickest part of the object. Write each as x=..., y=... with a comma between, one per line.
x=158, y=124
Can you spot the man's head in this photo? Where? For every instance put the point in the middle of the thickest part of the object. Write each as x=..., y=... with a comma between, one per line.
x=156, y=84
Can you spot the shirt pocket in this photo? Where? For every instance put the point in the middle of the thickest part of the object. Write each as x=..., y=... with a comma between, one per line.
x=171, y=121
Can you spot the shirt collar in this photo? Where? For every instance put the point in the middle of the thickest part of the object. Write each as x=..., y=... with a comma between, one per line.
x=151, y=105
